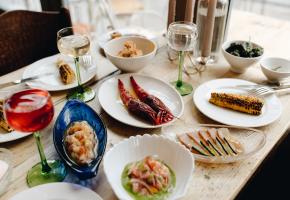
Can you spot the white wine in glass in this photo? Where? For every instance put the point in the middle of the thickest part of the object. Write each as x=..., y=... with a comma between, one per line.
x=74, y=42
x=74, y=45
x=182, y=37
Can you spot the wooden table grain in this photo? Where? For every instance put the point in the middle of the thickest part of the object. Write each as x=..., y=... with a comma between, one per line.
x=209, y=181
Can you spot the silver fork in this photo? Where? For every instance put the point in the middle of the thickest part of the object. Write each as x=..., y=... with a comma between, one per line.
x=86, y=61
x=260, y=91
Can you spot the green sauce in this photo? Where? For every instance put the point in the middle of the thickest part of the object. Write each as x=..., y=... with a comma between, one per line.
x=158, y=196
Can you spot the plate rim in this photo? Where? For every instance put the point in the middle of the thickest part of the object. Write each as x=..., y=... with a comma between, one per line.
x=52, y=185
x=142, y=126
x=23, y=135
x=56, y=88
x=233, y=124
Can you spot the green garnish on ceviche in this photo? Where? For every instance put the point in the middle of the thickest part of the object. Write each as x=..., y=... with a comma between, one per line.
x=148, y=179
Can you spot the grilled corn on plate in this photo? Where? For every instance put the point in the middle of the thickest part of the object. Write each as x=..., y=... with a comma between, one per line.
x=242, y=103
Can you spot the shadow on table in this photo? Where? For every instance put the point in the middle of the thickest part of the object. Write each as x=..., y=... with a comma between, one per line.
x=271, y=181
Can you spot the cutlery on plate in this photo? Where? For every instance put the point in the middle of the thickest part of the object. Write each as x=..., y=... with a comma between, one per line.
x=261, y=91
x=86, y=61
x=273, y=87
x=23, y=80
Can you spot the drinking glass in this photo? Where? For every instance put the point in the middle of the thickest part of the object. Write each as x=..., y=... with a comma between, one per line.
x=74, y=42
x=31, y=111
x=182, y=37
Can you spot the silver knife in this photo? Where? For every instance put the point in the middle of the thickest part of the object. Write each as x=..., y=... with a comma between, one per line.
x=257, y=86
x=23, y=80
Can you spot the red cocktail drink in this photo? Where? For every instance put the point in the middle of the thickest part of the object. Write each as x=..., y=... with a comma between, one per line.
x=31, y=111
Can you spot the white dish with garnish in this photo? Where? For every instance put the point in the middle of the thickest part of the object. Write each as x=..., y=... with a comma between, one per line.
x=135, y=148
x=60, y=191
x=109, y=98
x=275, y=69
x=53, y=82
x=271, y=110
x=213, y=143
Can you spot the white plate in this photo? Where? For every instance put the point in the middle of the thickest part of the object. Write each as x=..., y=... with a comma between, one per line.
x=57, y=191
x=138, y=31
x=110, y=100
x=14, y=135
x=53, y=82
x=271, y=110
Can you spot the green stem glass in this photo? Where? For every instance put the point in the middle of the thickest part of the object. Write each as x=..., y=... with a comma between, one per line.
x=45, y=171
x=80, y=92
x=182, y=87
x=44, y=165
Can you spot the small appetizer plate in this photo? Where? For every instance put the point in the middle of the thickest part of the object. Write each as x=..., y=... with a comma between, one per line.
x=213, y=143
x=135, y=148
x=271, y=110
x=110, y=101
x=74, y=111
x=53, y=82
x=63, y=191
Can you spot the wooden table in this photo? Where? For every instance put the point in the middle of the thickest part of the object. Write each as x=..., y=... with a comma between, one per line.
x=209, y=181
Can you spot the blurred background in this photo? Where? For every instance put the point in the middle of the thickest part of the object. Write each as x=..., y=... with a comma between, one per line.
x=140, y=12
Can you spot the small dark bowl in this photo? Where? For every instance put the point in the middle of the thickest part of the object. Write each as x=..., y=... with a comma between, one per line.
x=78, y=111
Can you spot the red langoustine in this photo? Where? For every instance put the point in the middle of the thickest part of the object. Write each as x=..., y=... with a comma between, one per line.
x=164, y=115
x=135, y=106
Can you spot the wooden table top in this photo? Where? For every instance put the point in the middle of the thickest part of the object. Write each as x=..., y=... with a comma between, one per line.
x=209, y=181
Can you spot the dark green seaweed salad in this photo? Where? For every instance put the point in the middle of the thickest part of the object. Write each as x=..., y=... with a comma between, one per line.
x=245, y=50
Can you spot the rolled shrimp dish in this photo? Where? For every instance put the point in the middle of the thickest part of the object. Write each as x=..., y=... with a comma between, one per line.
x=148, y=179
x=80, y=142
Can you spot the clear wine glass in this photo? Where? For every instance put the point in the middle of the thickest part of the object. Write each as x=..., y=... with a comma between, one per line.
x=75, y=42
x=31, y=111
x=182, y=37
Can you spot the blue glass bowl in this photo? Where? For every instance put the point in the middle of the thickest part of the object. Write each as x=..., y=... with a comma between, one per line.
x=75, y=110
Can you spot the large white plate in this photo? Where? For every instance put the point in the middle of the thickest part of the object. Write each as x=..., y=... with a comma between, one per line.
x=57, y=191
x=110, y=100
x=103, y=39
x=53, y=82
x=14, y=135
x=271, y=110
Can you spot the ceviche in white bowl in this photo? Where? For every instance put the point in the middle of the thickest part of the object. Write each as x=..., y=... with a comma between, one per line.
x=150, y=167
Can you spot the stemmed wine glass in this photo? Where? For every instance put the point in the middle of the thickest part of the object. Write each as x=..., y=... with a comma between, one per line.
x=74, y=42
x=182, y=37
x=31, y=111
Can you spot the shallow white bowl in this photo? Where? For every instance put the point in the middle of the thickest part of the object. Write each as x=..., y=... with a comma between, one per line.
x=239, y=64
x=269, y=64
x=132, y=64
x=177, y=157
